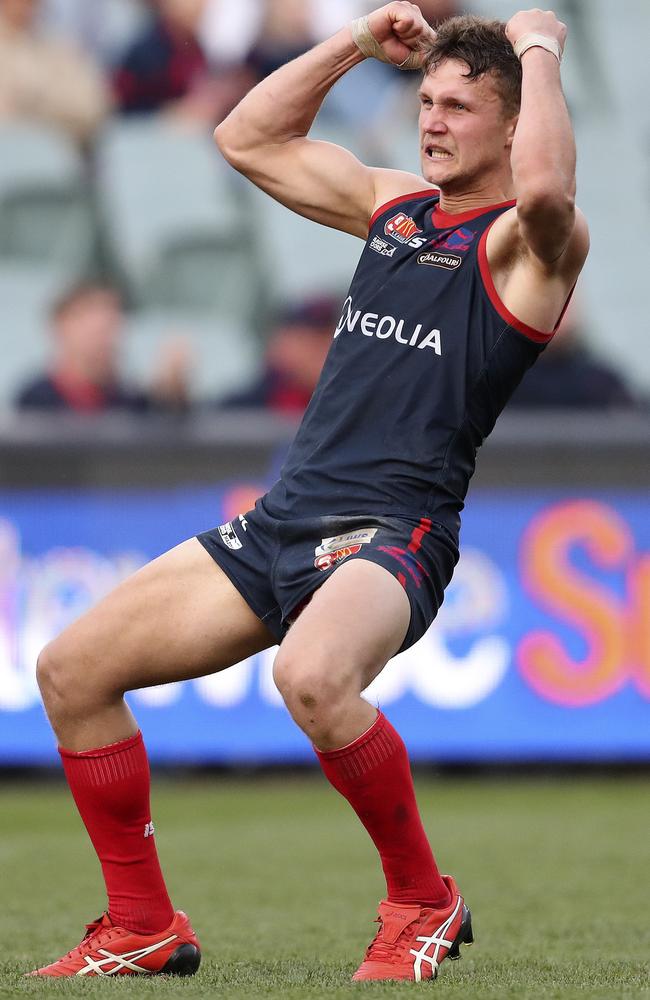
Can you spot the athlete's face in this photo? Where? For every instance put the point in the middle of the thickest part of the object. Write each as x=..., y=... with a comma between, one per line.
x=465, y=135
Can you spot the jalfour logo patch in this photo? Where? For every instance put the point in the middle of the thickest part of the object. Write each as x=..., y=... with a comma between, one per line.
x=450, y=261
x=445, y=249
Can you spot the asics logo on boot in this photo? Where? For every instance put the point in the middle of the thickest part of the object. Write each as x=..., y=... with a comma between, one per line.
x=128, y=960
x=438, y=940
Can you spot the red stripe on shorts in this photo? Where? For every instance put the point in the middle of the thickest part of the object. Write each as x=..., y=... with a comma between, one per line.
x=423, y=528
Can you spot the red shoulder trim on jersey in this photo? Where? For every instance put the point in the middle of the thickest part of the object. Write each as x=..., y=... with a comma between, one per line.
x=397, y=201
x=528, y=331
x=442, y=220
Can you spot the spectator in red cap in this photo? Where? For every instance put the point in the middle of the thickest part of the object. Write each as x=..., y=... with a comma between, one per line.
x=293, y=360
x=570, y=376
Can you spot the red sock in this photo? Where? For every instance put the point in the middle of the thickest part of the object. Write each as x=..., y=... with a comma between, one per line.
x=111, y=788
x=374, y=775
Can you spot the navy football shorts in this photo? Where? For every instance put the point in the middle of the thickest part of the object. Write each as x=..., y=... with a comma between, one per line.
x=276, y=565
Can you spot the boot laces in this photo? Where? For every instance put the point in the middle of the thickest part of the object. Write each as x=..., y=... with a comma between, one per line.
x=93, y=926
x=381, y=950
x=93, y=929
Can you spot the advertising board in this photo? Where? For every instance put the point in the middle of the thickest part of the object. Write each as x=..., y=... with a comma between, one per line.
x=540, y=652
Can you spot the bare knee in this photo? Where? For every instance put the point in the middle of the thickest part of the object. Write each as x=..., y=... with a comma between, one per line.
x=313, y=693
x=50, y=674
x=64, y=678
x=303, y=682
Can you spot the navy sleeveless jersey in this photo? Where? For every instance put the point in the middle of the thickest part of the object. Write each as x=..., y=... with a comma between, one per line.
x=424, y=358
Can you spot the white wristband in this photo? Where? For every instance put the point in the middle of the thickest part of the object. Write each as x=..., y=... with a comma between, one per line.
x=366, y=42
x=532, y=40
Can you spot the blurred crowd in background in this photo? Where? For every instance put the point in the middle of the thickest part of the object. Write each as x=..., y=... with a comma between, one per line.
x=137, y=271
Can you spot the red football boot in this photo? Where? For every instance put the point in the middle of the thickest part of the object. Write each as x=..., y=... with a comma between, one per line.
x=413, y=940
x=109, y=950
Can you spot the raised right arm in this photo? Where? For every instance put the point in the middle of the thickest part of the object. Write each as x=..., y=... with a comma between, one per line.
x=265, y=137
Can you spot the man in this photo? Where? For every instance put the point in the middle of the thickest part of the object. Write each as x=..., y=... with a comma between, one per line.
x=45, y=79
x=456, y=293
x=297, y=346
x=166, y=68
x=87, y=322
x=571, y=377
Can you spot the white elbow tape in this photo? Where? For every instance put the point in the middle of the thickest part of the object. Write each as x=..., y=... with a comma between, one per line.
x=366, y=42
x=532, y=40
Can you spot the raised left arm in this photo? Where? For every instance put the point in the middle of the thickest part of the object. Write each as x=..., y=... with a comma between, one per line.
x=543, y=155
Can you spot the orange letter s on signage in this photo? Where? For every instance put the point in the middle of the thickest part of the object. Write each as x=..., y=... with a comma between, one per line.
x=561, y=589
x=639, y=588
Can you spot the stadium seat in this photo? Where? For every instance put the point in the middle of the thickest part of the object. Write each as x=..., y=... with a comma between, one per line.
x=45, y=208
x=174, y=220
x=208, y=273
x=358, y=141
x=34, y=155
x=299, y=257
x=400, y=149
x=25, y=292
x=224, y=357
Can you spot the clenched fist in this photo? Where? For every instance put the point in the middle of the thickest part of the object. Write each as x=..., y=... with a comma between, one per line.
x=400, y=29
x=538, y=22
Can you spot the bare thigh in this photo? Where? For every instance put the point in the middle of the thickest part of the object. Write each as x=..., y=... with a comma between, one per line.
x=176, y=618
x=357, y=620
x=342, y=640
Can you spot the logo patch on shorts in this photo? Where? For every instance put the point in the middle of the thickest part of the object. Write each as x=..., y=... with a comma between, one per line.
x=229, y=537
x=338, y=547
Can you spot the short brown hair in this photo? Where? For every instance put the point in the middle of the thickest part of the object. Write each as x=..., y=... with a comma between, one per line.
x=483, y=45
x=81, y=289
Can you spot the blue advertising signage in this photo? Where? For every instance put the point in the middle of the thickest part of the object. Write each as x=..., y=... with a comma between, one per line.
x=540, y=652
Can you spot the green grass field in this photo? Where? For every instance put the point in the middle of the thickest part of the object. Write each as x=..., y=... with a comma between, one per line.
x=281, y=884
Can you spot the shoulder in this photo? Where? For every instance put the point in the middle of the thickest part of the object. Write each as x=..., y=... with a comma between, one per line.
x=40, y=392
x=393, y=186
x=505, y=246
x=533, y=291
x=150, y=46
